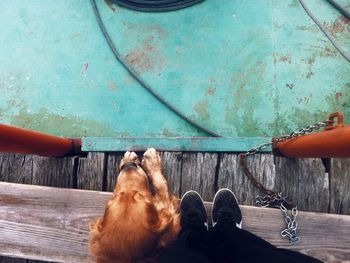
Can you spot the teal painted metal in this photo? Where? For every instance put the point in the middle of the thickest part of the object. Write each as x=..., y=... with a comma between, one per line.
x=241, y=68
x=198, y=144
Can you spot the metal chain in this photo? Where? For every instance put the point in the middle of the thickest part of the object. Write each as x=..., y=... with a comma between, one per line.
x=292, y=224
x=294, y=134
x=274, y=199
x=278, y=201
x=303, y=131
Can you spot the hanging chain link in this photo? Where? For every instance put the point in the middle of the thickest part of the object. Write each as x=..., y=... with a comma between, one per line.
x=292, y=224
x=274, y=199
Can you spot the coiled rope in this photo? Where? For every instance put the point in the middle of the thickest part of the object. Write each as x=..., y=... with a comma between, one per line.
x=341, y=9
x=156, y=5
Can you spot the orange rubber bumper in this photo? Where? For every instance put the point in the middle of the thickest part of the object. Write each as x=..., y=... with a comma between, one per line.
x=332, y=142
x=18, y=140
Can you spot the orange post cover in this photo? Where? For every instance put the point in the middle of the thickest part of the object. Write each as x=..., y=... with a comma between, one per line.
x=332, y=142
x=19, y=140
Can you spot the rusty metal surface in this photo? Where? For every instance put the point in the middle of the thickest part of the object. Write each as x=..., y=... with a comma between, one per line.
x=241, y=68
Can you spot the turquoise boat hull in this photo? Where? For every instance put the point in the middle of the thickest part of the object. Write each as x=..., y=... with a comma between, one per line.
x=243, y=69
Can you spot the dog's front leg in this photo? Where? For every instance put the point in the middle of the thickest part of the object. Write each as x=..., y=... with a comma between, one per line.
x=151, y=163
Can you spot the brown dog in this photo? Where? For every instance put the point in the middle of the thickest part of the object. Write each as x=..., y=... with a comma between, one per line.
x=137, y=224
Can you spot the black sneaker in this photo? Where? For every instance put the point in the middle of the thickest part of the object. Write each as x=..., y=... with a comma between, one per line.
x=193, y=213
x=225, y=208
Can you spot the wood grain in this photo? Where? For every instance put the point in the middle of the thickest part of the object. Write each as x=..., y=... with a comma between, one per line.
x=51, y=224
x=16, y=168
x=113, y=161
x=172, y=168
x=231, y=176
x=304, y=182
x=198, y=173
x=30, y=169
x=91, y=171
x=340, y=186
x=56, y=172
x=13, y=260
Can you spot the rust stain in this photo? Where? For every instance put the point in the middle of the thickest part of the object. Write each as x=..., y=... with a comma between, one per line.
x=112, y=86
x=140, y=57
x=311, y=61
x=10, y=200
x=290, y=85
x=312, y=28
x=84, y=69
x=111, y=5
x=158, y=30
x=309, y=74
x=305, y=100
x=202, y=109
x=338, y=26
x=285, y=59
x=338, y=95
x=168, y=133
x=147, y=57
x=328, y=52
x=210, y=91
x=155, y=30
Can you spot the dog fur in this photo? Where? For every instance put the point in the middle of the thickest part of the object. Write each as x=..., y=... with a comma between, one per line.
x=137, y=224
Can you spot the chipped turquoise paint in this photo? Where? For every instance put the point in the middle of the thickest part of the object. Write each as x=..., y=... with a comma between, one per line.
x=198, y=144
x=241, y=68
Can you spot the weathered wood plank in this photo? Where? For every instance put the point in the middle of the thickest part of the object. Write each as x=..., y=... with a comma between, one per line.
x=43, y=223
x=340, y=186
x=231, y=176
x=12, y=260
x=56, y=172
x=30, y=169
x=51, y=224
x=16, y=168
x=304, y=182
x=198, y=173
x=17, y=260
x=91, y=171
x=113, y=161
x=172, y=166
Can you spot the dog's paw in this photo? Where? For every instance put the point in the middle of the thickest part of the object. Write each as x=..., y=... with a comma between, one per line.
x=129, y=157
x=151, y=161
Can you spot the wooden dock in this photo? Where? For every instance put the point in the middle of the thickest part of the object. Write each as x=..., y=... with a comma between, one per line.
x=314, y=185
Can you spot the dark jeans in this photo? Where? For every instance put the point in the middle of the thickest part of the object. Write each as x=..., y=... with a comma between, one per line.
x=227, y=244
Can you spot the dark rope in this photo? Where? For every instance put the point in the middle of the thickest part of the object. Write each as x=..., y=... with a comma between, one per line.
x=324, y=30
x=341, y=9
x=133, y=73
x=156, y=5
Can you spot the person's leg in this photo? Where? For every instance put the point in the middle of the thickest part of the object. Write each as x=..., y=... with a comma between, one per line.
x=232, y=244
x=191, y=245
